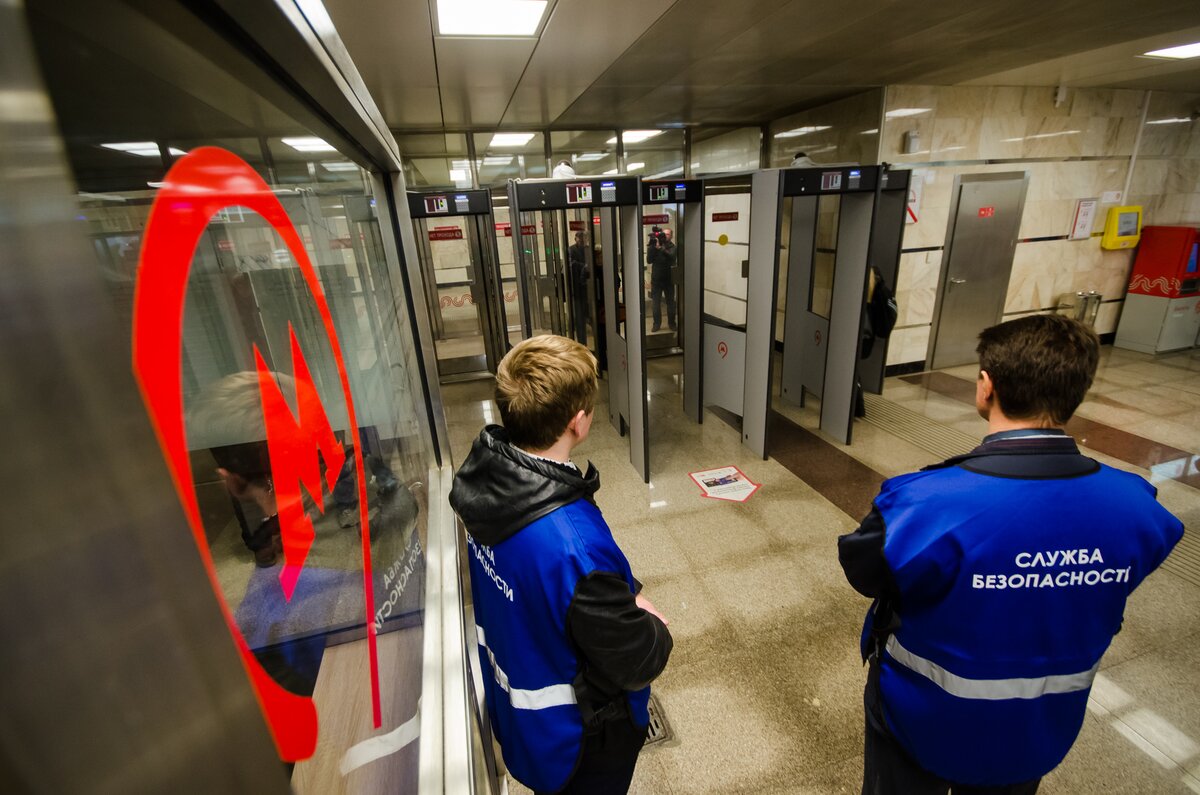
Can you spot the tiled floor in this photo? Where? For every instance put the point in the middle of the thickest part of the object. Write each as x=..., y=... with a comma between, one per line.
x=764, y=689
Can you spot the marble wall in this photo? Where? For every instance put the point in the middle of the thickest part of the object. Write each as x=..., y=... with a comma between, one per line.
x=736, y=150
x=1079, y=148
x=846, y=131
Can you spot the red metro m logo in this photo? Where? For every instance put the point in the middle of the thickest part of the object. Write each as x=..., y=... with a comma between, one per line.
x=196, y=188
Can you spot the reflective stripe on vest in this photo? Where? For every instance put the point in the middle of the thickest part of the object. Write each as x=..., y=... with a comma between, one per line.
x=542, y=698
x=989, y=689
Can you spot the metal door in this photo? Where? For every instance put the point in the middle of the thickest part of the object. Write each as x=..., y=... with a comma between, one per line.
x=984, y=221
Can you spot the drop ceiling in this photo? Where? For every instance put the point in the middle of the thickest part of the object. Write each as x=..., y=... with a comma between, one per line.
x=646, y=63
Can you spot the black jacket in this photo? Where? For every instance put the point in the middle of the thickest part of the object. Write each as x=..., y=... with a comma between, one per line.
x=498, y=491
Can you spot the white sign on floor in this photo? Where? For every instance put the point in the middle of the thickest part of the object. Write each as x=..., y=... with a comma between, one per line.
x=726, y=483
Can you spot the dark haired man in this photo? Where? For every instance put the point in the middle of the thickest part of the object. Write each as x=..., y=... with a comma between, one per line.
x=1000, y=578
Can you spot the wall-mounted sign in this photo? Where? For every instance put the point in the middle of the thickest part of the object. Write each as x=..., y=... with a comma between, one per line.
x=1085, y=217
x=987, y=212
x=656, y=218
x=446, y=233
x=576, y=226
x=436, y=204
x=716, y=217
x=831, y=180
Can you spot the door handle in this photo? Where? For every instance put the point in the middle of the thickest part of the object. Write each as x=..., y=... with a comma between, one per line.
x=957, y=281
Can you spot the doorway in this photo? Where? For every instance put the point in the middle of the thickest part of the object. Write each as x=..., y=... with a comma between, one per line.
x=985, y=219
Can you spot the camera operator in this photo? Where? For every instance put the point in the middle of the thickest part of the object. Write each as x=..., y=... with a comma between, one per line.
x=660, y=257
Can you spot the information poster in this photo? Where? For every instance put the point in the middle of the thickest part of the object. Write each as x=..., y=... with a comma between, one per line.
x=726, y=483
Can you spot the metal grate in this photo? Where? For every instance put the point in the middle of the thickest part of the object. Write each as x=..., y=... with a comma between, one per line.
x=917, y=429
x=1185, y=559
x=660, y=730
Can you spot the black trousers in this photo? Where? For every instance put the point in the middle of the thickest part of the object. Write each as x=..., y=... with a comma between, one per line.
x=889, y=770
x=609, y=757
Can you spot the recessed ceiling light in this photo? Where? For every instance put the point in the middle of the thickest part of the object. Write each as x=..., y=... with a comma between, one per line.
x=588, y=156
x=635, y=167
x=608, y=173
x=497, y=160
x=309, y=144
x=458, y=175
x=340, y=166
x=1182, y=51
x=493, y=18
x=801, y=131
x=1169, y=121
x=873, y=131
x=511, y=139
x=142, y=149
x=636, y=136
x=900, y=113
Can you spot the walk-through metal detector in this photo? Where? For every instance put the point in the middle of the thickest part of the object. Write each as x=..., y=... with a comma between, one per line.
x=460, y=265
x=686, y=196
x=826, y=287
x=549, y=213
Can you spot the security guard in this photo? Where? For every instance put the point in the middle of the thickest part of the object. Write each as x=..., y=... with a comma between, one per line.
x=1000, y=577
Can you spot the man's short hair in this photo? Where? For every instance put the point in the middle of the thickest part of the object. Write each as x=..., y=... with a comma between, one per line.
x=541, y=385
x=1040, y=365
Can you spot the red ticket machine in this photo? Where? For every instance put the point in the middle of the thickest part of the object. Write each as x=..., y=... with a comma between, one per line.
x=1162, y=307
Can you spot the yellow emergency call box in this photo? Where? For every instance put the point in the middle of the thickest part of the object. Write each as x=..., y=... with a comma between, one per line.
x=1122, y=227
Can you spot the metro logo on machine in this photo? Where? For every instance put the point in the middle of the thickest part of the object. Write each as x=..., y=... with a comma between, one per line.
x=199, y=186
x=987, y=212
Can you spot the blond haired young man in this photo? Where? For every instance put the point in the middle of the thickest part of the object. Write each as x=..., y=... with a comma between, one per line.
x=567, y=644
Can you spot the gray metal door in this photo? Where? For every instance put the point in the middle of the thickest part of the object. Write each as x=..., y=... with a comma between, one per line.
x=985, y=218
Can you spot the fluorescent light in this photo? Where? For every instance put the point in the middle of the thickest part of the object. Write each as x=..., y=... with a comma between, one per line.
x=801, y=131
x=155, y=185
x=661, y=174
x=588, y=156
x=493, y=18
x=511, y=139
x=142, y=149
x=1182, y=51
x=309, y=143
x=634, y=166
x=340, y=166
x=458, y=175
x=609, y=173
x=1039, y=135
x=900, y=113
x=1169, y=121
x=874, y=131
x=497, y=160
x=636, y=136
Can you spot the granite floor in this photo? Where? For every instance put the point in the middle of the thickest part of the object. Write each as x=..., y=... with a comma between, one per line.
x=764, y=688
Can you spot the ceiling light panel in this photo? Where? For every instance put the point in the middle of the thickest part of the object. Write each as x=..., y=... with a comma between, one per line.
x=490, y=18
x=1182, y=51
x=797, y=132
x=900, y=113
x=309, y=144
x=636, y=136
x=142, y=149
x=508, y=140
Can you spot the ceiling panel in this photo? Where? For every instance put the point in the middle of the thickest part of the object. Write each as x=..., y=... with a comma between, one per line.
x=391, y=42
x=579, y=42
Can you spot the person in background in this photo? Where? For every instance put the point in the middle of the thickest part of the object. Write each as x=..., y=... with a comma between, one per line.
x=801, y=160
x=577, y=256
x=999, y=577
x=567, y=642
x=661, y=257
x=564, y=170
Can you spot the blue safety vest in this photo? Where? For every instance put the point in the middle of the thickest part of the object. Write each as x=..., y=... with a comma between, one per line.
x=1010, y=592
x=522, y=589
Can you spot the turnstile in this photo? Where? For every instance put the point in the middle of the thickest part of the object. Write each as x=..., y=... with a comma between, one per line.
x=839, y=222
x=677, y=206
x=594, y=287
x=459, y=258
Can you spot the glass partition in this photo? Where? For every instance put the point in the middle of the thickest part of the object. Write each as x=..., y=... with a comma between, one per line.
x=502, y=156
x=435, y=160
x=271, y=340
x=588, y=151
x=653, y=154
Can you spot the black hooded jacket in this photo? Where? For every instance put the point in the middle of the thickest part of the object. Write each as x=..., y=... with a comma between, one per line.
x=498, y=491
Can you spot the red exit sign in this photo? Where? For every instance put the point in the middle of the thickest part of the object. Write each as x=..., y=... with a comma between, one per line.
x=453, y=233
x=724, y=216
x=987, y=212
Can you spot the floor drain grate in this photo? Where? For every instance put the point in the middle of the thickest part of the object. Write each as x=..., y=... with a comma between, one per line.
x=660, y=730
